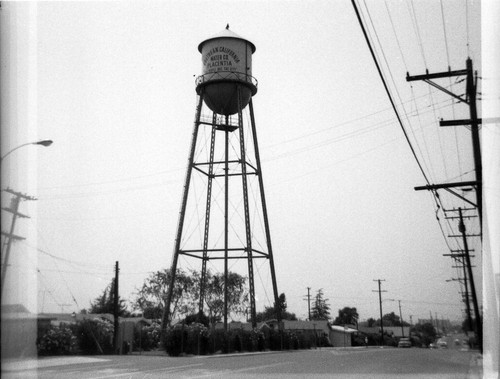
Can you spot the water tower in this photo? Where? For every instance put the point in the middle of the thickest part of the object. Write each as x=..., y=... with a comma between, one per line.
x=223, y=218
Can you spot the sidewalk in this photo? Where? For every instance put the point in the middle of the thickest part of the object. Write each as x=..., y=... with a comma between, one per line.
x=476, y=367
x=13, y=365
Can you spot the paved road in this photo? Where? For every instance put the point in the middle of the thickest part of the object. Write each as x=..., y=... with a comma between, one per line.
x=325, y=363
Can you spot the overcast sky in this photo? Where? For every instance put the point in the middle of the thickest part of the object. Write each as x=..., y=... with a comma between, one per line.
x=112, y=84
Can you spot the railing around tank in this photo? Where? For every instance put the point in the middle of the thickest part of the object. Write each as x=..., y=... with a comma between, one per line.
x=226, y=75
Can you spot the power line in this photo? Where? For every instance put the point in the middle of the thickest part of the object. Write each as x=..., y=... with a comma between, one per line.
x=388, y=92
x=414, y=20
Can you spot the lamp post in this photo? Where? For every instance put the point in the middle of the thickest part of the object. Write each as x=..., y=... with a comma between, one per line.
x=45, y=143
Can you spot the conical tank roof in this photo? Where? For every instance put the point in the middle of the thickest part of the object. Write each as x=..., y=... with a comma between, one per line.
x=226, y=33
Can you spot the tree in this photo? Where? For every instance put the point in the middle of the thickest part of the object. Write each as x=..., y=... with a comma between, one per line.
x=321, y=308
x=347, y=315
x=151, y=297
x=269, y=313
x=371, y=321
x=214, y=295
x=105, y=303
x=426, y=332
x=391, y=319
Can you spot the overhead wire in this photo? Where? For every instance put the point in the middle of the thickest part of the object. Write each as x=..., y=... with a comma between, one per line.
x=467, y=26
x=416, y=29
x=431, y=174
x=427, y=163
x=434, y=193
x=458, y=153
x=388, y=92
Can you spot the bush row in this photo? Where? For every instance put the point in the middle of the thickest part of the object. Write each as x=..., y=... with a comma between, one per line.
x=95, y=336
x=197, y=339
x=90, y=336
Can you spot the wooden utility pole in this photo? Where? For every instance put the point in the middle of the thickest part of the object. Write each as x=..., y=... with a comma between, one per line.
x=380, y=302
x=474, y=121
x=116, y=310
x=466, y=295
x=308, y=298
x=478, y=326
x=401, y=319
x=10, y=236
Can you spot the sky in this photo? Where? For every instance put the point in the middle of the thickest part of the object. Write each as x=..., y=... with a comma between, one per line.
x=113, y=85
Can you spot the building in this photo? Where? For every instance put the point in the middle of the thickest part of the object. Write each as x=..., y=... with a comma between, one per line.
x=393, y=331
x=341, y=336
x=338, y=336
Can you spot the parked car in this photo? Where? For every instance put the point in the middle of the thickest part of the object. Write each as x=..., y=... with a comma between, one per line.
x=404, y=342
x=432, y=346
x=442, y=344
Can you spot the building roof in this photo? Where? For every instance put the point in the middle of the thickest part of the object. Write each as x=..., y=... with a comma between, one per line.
x=394, y=330
x=226, y=33
x=343, y=329
x=136, y=320
x=238, y=325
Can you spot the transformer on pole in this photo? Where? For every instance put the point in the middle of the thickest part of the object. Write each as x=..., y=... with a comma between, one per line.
x=224, y=185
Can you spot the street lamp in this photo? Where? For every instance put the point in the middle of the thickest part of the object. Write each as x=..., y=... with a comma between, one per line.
x=45, y=143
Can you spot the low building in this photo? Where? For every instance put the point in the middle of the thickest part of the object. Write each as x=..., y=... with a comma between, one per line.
x=393, y=331
x=341, y=336
x=238, y=325
x=338, y=336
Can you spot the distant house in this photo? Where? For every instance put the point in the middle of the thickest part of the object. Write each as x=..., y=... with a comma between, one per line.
x=394, y=331
x=238, y=325
x=341, y=336
x=338, y=336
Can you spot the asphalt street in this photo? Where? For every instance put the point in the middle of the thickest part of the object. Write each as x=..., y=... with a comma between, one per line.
x=320, y=363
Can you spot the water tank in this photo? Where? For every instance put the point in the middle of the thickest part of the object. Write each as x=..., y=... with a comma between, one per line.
x=226, y=65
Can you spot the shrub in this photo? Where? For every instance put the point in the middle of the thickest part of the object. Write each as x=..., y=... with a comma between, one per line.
x=324, y=341
x=95, y=336
x=174, y=341
x=236, y=343
x=197, y=339
x=305, y=340
x=274, y=340
x=58, y=340
x=261, y=342
x=147, y=337
x=187, y=339
x=290, y=340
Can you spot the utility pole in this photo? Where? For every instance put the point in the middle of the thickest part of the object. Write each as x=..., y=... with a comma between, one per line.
x=479, y=332
x=308, y=303
x=465, y=296
x=380, y=302
x=401, y=318
x=116, y=309
x=474, y=121
x=10, y=236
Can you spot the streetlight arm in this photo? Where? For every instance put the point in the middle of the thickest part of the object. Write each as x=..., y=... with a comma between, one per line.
x=43, y=143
